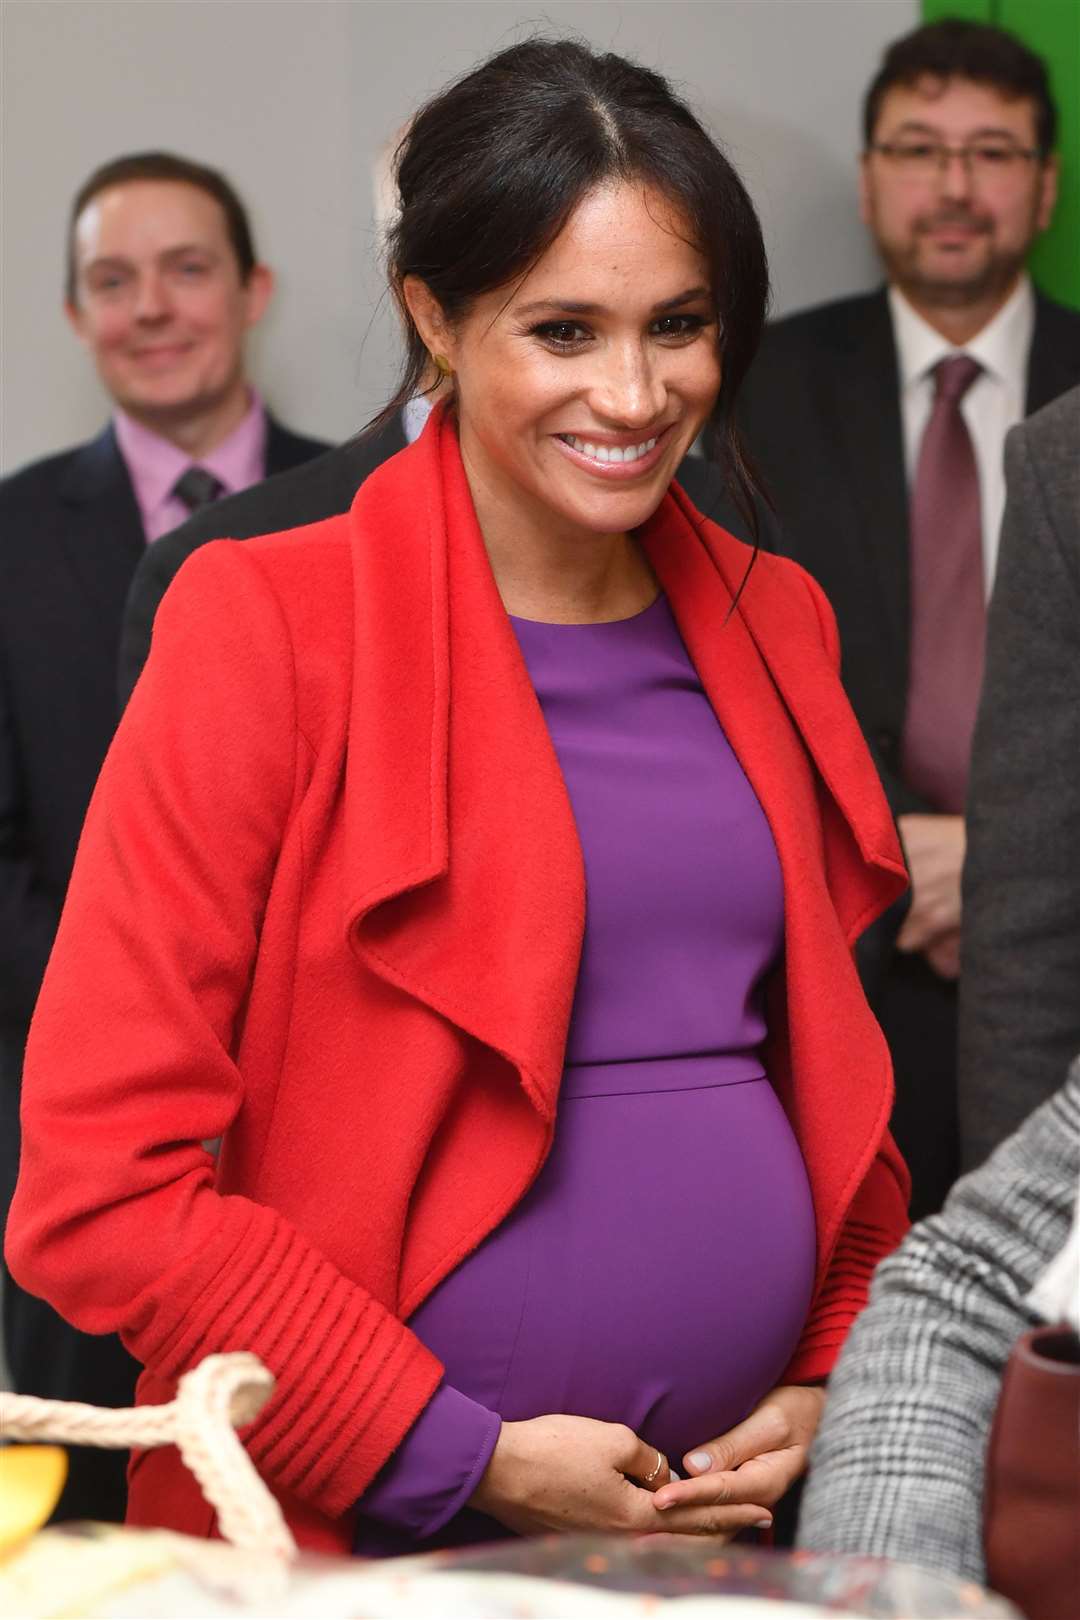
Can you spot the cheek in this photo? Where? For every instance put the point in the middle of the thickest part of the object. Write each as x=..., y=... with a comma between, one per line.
x=1015, y=223
x=704, y=379
x=208, y=311
x=897, y=214
x=111, y=331
x=513, y=400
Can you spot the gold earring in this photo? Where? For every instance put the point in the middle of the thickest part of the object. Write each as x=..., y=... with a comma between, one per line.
x=442, y=365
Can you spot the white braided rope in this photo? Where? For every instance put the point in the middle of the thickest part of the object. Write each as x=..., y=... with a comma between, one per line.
x=220, y=1393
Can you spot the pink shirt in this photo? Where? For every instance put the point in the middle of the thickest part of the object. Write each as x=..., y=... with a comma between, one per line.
x=155, y=464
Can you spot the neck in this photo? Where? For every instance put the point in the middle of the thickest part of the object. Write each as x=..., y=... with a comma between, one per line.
x=198, y=432
x=959, y=323
x=591, y=581
x=559, y=575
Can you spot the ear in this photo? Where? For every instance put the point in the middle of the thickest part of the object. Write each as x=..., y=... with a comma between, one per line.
x=865, y=190
x=75, y=319
x=258, y=291
x=1049, y=192
x=427, y=316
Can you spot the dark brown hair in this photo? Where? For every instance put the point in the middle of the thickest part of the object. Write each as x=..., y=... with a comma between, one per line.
x=491, y=168
x=165, y=166
x=957, y=49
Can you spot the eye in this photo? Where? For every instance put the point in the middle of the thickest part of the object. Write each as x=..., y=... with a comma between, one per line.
x=993, y=156
x=561, y=334
x=107, y=283
x=192, y=268
x=679, y=326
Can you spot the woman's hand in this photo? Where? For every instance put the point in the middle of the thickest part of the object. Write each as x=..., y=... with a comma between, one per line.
x=737, y=1478
x=571, y=1473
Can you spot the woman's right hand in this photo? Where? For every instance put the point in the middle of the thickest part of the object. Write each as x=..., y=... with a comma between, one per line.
x=562, y=1473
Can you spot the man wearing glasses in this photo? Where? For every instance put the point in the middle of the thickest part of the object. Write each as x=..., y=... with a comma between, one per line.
x=878, y=423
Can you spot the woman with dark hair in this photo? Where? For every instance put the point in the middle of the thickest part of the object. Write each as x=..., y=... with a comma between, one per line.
x=482, y=867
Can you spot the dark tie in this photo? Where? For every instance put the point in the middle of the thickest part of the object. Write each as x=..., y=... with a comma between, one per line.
x=948, y=600
x=197, y=487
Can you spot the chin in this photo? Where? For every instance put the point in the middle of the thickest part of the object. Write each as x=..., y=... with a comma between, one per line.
x=620, y=513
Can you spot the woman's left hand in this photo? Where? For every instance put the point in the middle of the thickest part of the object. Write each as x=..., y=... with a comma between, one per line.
x=753, y=1463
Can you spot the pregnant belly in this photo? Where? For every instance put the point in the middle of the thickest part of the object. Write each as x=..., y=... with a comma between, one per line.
x=658, y=1273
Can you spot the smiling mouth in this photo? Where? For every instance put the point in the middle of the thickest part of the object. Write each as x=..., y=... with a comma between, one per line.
x=608, y=454
x=616, y=460
x=162, y=351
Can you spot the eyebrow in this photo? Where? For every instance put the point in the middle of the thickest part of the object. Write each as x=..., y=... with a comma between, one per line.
x=570, y=306
x=913, y=126
x=118, y=262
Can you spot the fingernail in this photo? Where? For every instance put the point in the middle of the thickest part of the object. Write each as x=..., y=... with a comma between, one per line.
x=762, y=1524
x=699, y=1460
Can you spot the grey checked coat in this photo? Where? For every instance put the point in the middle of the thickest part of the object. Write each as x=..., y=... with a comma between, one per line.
x=897, y=1467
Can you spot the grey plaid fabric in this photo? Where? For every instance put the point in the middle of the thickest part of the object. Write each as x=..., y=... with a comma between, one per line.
x=897, y=1467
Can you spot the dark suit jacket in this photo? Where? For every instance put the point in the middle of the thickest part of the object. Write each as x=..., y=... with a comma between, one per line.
x=821, y=411
x=72, y=538
x=321, y=489
x=1020, y=993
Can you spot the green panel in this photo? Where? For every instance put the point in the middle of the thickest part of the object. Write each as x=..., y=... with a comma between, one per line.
x=1051, y=27
x=973, y=10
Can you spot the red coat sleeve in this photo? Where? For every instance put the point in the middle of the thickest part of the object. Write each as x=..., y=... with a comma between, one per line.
x=876, y=1221
x=130, y=1067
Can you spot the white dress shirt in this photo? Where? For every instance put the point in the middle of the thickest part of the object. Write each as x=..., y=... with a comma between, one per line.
x=992, y=405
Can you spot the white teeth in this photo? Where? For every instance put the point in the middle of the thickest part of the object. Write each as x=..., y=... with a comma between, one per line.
x=609, y=453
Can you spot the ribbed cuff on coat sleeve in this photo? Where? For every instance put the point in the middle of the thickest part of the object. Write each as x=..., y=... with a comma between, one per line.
x=437, y=1466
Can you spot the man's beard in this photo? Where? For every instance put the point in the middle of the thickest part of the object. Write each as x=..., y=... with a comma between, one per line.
x=992, y=279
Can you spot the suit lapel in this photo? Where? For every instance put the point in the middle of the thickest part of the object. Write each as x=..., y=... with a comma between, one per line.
x=283, y=449
x=102, y=536
x=864, y=391
x=1054, y=361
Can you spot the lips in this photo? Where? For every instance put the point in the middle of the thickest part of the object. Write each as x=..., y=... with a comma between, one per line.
x=627, y=458
x=961, y=229
x=161, y=353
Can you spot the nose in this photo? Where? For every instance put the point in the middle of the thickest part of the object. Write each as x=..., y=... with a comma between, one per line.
x=629, y=391
x=955, y=174
x=151, y=299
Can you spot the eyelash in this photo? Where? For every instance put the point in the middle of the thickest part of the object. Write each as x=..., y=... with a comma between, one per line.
x=546, y=330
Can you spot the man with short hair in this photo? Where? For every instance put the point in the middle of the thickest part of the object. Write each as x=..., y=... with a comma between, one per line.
x=878, y=423
x=162, y=286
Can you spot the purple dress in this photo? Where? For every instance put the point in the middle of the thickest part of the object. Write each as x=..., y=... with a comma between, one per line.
x=659, y=1271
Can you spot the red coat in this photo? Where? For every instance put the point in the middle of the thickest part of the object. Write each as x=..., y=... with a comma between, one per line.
x=328, y=905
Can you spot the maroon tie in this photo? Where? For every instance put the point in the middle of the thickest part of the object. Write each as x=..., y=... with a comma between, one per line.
x=948, y=601
x=197, y=488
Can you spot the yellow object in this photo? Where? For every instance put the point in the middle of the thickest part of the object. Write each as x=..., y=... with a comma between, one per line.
x=31, y=1479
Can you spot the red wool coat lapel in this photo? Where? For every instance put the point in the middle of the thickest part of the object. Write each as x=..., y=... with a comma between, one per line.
x=469, y=884
x=772, y=679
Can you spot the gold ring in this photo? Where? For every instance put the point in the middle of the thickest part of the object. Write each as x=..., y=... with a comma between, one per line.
x=647, y=1479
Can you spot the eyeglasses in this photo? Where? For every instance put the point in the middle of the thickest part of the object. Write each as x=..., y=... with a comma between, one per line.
x=984, y=160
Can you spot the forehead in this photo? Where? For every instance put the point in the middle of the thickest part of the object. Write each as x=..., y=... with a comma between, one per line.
x=955, y=109
x=622, y=240
x=144, y=217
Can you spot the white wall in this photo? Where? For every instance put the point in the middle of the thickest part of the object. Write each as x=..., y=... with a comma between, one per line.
x=292, y=98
